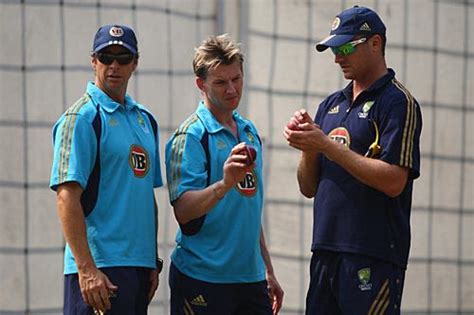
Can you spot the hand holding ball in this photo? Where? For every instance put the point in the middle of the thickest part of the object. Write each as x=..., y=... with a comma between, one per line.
x=292, y=125
x=300, y=117
x=251, y=154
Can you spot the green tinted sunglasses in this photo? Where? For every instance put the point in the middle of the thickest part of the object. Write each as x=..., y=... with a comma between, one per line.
x=348, y=48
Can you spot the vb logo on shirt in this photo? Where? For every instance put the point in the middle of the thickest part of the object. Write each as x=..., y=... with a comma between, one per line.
x=248, y=186
x=341, y=135
x=138, y=160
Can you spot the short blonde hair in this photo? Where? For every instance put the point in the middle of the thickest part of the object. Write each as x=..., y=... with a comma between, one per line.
x=214, y=51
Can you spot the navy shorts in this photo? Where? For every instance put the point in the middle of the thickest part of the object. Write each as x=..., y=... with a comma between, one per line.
x=131, y=297
x=344, y=283
x=192, y=296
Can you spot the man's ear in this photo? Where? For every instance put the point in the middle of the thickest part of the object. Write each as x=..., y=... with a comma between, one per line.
x=200, y=83
x=135, y=64
x=376, y=42
x=93, y=62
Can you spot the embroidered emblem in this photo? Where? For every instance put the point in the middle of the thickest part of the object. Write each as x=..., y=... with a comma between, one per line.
x=335, y=23
x=141, y=122
x=221, y=144
x=113, y=122
x=199, y=301
x=364, y=278
x=367, y=106
x=334, y=110
x=116, y=31
x=365, y=109
x=251, y=137
x=365, y=27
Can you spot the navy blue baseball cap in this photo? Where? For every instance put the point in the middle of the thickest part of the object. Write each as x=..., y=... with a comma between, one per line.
x=350, y=22
x=111, y=34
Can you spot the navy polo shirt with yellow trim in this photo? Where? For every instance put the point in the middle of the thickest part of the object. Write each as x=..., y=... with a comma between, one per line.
x=350, y=216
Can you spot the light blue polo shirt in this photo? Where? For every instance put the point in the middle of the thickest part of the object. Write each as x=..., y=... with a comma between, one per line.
x=226, y=248
x=120, y=215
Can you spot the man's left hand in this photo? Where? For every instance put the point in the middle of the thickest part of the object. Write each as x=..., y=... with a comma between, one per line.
x=275, y=292
x=154, y=282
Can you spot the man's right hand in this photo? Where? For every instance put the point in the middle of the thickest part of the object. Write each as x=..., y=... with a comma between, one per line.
x=303, y=134
x=96, y=289
x=235, y=167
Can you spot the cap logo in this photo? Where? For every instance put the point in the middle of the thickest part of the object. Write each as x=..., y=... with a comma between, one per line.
x=365, y=27
x=116, y=31
x=335, y=23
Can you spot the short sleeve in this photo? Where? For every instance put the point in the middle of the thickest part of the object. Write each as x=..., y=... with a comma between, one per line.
x=318, y=117
x=185, y=165
x=74, y=150
x=400, y=128
x=157, y=178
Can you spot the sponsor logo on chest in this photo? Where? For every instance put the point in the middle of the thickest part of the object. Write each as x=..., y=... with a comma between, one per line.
x=248, y=186
x=139, y=160
x=341, y=135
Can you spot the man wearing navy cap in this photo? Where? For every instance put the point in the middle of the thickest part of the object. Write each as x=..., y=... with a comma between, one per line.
x=106, y=165
x=359, y=159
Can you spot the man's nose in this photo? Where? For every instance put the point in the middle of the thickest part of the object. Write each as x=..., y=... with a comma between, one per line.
x=231, y=87
x=114, y=63
x=338, y=58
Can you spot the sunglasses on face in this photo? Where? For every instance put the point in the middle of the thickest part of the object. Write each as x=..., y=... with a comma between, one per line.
x=122, y=59
x=348, y=48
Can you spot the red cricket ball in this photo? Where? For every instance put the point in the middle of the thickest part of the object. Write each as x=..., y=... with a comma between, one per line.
x=292, y=125
x=251, y=154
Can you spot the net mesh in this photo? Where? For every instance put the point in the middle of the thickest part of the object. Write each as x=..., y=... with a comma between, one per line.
x=44, y=66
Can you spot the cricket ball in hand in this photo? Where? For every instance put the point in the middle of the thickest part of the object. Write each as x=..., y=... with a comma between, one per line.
x=251, y=154
x=292, y=125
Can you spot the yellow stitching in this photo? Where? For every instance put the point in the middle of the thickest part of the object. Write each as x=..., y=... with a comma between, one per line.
x=374, y=304
x=177, y=149
x=409, y=127
x=66, y=136
x=382, y=302
x=188, y=310
x=384, y=307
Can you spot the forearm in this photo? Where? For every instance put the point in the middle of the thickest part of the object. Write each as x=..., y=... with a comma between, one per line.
x=308, y=174
x=380, y=175
x=73, y=224
x=274, y=289
x=195, y=203
x=156, y=222
x=265, y=254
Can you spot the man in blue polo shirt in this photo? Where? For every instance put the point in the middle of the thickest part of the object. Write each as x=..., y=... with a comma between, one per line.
x=106, y=164
x=359, y=159
x=221, y=264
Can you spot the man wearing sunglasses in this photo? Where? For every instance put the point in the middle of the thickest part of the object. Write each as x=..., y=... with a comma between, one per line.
x=105, y=168
x=359, y=159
